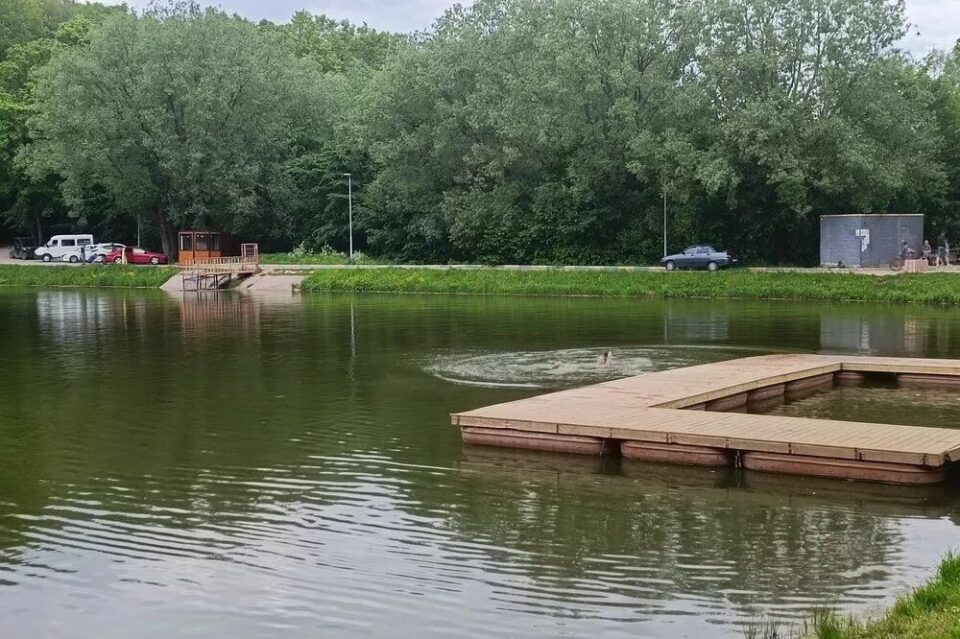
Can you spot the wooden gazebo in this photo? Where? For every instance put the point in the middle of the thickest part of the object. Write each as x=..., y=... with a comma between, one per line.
x=200, y=246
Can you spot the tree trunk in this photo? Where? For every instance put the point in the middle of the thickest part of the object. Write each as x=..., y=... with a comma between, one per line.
x=168, y=234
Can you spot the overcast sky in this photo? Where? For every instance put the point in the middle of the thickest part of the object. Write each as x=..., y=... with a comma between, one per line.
x=936, y=22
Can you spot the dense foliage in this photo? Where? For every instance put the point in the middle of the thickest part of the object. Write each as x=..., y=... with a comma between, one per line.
x=512, y=131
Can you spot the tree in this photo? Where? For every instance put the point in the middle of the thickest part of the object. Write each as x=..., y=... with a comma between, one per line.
x=22, y=21
x=24, y=202
x=942, y=73
x=183, y=115
x=804, y=108
x=549, y=130
x=514, y=131
x=336, y=46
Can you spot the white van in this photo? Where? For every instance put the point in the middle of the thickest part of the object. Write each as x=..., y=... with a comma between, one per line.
x=66, y=248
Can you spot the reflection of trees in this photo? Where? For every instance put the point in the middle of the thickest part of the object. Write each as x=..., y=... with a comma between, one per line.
x=877, y=402
x=914, y=331
x=665, y=532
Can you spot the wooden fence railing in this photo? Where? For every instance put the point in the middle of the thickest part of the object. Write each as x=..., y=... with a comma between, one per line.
x=215, y=272
x=247, y=262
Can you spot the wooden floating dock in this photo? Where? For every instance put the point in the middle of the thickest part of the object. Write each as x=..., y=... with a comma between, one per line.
x=689, y=416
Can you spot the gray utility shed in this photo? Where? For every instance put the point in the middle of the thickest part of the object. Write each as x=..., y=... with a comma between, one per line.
x=868, y=239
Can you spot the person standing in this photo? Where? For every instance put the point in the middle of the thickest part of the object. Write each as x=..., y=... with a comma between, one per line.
x=927, y=251
x=942, y=249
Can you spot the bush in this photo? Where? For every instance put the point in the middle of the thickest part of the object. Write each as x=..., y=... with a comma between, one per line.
x=325, y=255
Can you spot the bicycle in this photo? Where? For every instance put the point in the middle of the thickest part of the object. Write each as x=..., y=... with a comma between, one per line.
x=896, y=263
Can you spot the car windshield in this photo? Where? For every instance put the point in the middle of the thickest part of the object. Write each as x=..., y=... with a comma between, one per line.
x=690, y=250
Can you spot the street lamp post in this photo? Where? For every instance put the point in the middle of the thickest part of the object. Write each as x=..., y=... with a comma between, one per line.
x=664, y=221
x=350, y=210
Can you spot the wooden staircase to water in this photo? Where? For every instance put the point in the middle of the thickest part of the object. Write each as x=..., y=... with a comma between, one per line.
x=217, y=272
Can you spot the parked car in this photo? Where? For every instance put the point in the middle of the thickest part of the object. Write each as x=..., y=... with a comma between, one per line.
x=64, y=247
x=23, y=248
x=134, y=255
x=699, y=256
x=97, y=252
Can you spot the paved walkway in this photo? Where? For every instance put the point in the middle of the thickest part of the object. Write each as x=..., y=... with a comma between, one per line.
x=307, y=268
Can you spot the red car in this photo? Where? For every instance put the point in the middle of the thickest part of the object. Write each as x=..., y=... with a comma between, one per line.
x=134, y=256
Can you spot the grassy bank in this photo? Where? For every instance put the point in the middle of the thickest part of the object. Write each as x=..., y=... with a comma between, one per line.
x=930, y=612
x=925, y=288
x=111, y=275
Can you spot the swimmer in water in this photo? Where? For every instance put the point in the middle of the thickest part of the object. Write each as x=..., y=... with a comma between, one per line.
x=604, y=359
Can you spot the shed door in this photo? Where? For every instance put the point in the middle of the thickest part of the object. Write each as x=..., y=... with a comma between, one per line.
x=186, y=249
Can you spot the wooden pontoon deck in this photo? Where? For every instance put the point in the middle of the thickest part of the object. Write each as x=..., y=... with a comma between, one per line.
x=673, y=416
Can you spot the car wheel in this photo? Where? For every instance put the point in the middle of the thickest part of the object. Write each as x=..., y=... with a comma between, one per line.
x=712, y=266
x=118, y=260
x=670, y=265
x=154, y=260
x=99, y=259
x=74, y=259
x=47, y=257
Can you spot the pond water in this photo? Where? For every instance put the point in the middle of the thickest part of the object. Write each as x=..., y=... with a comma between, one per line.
x=231, y=466
x=876, y=402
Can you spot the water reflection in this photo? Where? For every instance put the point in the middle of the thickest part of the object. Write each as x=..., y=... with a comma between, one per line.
x=253, y=466
x=205, y=312
x=691, y=540
x=890, y=330
x=876, y=402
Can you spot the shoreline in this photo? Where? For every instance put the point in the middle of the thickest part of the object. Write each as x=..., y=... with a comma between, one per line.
x=926, y=612
x=813, y=285
x=86, y=276
x=941, y=289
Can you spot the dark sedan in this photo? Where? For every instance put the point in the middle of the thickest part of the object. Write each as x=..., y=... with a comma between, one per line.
x=23, y=248
x=699, y=256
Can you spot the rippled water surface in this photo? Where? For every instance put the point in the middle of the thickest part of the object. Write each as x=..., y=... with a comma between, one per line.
x=237, y=467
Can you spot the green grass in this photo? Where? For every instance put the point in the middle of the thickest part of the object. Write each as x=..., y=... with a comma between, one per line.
x=930, y=612
x=941, y=289
x=110, y=275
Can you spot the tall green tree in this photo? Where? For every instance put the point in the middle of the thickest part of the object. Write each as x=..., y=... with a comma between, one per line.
x=22, y=21
x=807, y=109
x=942, y=74
x=537, y=130
x=336, y=46
x=24, y=202
x=182, y=115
